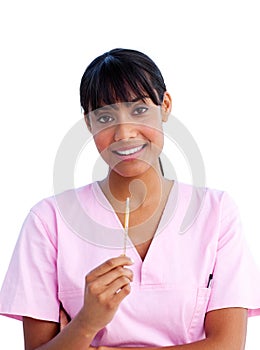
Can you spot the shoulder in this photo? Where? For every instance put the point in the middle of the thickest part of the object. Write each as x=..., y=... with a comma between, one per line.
x=52, y=209
x=204, y=204
x=205, y=196
x=51, y=204
x=187, y=190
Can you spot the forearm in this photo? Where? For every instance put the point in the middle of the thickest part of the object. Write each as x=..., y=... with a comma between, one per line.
x=225, y=329
x=105, y=288
x=205, y=344
x=75, y=336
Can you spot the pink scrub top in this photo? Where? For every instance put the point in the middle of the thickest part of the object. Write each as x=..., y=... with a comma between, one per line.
x=66, y=236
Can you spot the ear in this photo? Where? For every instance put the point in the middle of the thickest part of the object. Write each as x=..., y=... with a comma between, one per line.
x=87, y=121
x=166, y=106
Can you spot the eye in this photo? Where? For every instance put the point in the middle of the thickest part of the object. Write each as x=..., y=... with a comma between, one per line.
x=103, y=119
x=140, y=110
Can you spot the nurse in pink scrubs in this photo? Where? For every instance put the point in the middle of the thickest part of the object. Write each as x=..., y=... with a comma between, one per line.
x=182, y=291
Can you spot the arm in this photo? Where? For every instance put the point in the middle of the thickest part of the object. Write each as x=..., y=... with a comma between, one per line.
x=106, y=287
x=225, y=330
x=44, y=335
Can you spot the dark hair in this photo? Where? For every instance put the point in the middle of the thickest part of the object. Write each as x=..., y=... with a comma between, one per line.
x=119, y=76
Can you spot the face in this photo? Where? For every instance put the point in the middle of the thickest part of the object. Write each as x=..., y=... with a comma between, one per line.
x=129, y=136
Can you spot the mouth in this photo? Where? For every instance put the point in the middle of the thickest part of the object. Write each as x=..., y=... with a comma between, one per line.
x=129, y=151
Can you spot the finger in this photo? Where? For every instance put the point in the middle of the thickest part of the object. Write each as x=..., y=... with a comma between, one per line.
x=115, y=293
x=121, y=294
x=102, y=283
x=107, y=266
x=117, y=286
x=114, y=274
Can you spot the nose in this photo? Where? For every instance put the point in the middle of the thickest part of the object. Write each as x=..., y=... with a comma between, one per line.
x=124, y=131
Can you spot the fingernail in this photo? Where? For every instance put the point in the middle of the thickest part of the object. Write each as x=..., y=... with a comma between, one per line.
x=132, y=260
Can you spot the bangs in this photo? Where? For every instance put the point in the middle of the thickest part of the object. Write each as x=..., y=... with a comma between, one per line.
x=114, y=82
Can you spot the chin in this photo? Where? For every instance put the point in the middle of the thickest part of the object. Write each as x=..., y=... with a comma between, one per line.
x=129, y=174
x=131, y=170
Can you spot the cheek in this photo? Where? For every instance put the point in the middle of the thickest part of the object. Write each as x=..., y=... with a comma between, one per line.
x=155, y=135
x=102, y=140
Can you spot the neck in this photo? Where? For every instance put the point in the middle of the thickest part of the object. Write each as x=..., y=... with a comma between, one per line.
x=143, y=190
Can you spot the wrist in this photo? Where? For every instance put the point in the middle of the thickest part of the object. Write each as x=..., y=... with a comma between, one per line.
x=84, y=327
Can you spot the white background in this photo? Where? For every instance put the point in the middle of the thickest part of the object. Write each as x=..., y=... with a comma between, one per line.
x=208, y=52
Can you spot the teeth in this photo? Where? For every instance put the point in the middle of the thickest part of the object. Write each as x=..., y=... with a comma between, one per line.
x=129, y=151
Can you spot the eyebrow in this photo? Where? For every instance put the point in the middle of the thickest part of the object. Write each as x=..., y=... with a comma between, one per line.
x=115, y=106
x=138, y=99
x=104, y=108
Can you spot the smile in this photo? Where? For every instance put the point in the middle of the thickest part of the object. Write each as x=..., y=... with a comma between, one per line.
x=130, y=151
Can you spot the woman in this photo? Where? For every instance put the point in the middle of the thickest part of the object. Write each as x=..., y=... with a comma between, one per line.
x=183, y=291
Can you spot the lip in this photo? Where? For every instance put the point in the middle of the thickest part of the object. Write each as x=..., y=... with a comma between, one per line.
x=130, y=152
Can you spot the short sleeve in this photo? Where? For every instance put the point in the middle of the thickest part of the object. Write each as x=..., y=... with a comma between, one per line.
x=30, y=285
x=236, y=277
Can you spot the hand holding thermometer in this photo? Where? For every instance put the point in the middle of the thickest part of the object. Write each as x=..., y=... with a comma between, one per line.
x=127, y=212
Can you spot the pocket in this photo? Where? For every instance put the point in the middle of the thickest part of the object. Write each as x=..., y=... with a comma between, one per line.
x=196, y=328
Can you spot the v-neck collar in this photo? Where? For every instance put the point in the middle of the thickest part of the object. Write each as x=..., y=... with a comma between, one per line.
x=167, y=214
